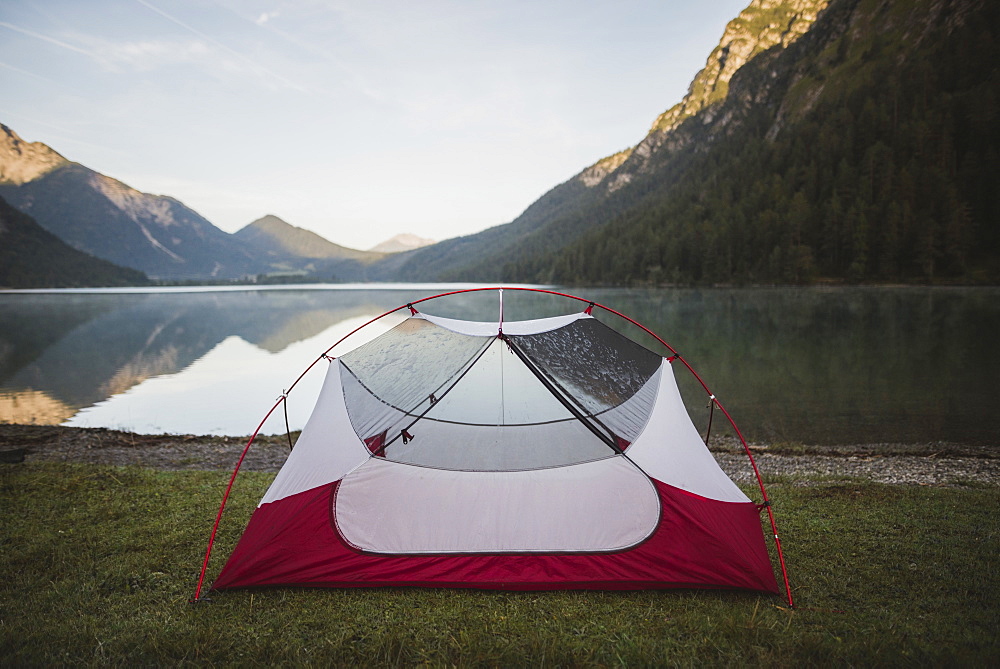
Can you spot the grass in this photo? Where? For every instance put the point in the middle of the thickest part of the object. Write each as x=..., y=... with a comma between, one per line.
x=98, y=564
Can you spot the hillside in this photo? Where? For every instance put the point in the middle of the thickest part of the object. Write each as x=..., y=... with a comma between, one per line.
x=156, y=234
x=108, y=219
x=401, y=242
x=853, y=142
x=276, y=238
x=865, y=152
x=293, y=253
x=572, y=208
x=31, y=257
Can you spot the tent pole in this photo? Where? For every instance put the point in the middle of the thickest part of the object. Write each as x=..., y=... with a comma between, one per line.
x=225, y=497
x=222, y=506
x=468, y=366
x=288, y=431
x=711, y=412
x=606, y=438
x=767, y=501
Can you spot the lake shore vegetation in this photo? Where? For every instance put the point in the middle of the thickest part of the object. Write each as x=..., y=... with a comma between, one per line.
x=100, y=562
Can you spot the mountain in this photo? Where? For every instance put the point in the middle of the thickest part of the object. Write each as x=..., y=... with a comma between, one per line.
x=21, y=162
x=159, y=235
x=572, y=208
x=399, y=243
x=844, y=140
x=848, y=140
x=108, y=219
x=277, y=238
x=32, y=257
x=290, y=251
x=865, y=151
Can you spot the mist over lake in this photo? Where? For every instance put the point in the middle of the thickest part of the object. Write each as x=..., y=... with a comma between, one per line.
x=810, y=365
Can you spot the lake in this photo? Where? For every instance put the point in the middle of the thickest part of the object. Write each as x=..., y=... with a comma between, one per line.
x=811, y=365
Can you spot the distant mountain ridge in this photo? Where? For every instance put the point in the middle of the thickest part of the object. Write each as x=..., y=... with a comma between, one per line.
x=110, y=220
x=274, y=236
x=296, y=253
x=157, y=234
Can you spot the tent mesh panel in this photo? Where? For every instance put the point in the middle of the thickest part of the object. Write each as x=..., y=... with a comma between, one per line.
x=468, y=402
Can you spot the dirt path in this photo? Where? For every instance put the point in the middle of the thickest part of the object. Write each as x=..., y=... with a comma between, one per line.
x=915, y=464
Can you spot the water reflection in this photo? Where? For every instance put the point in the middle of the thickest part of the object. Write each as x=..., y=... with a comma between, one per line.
x=841, y=365
x=812, y=365
x=206, y=362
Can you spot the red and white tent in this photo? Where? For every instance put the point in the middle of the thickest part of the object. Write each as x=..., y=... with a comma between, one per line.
x=545, y=454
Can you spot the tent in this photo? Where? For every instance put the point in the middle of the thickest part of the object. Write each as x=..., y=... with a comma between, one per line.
x=552, y=453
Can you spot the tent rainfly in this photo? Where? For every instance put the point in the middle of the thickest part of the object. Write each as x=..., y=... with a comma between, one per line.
x=533, y=455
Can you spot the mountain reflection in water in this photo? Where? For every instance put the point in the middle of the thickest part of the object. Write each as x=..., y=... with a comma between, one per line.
x=207, y=362
x=813, y=365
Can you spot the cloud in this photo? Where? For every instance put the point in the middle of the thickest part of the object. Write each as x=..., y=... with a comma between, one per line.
x=153, y=54
x=265, y=17
x=33, y=75
x=274, y=77
x=45, y=38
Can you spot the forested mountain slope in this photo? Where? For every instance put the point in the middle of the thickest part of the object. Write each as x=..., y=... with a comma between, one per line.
x=581, y=203
x=862, y=147
x=867, y=151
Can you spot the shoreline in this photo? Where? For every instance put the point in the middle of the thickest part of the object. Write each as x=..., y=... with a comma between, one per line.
x=930, y=463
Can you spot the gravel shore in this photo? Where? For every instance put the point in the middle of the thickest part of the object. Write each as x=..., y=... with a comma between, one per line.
x=908, y=464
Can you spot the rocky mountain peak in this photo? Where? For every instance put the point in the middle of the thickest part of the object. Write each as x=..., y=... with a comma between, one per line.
x=762, y=25
x=595, y=174
x=21, y=162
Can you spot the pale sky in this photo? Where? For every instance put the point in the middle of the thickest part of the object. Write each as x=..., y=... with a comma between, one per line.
x=357, y=119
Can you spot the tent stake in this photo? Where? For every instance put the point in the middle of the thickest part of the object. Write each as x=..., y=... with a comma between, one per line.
x=711, y=412
x=288, y=431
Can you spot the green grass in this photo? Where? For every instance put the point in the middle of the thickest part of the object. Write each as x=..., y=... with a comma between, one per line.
x=98, y=564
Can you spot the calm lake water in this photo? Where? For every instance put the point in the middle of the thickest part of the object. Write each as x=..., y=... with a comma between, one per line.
x=811, y=365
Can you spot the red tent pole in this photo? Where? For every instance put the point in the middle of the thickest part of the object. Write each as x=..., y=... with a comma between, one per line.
x=767, y=501
x=222, y=506
x=746, y=448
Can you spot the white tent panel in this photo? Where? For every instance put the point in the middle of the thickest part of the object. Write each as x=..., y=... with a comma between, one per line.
x=628, y=419
x=671, y=450
x=328, y=447
x=491, y=329
x=499, y=448
x=389, y=507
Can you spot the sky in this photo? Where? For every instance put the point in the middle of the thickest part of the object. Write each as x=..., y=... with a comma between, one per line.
x=357, y=119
